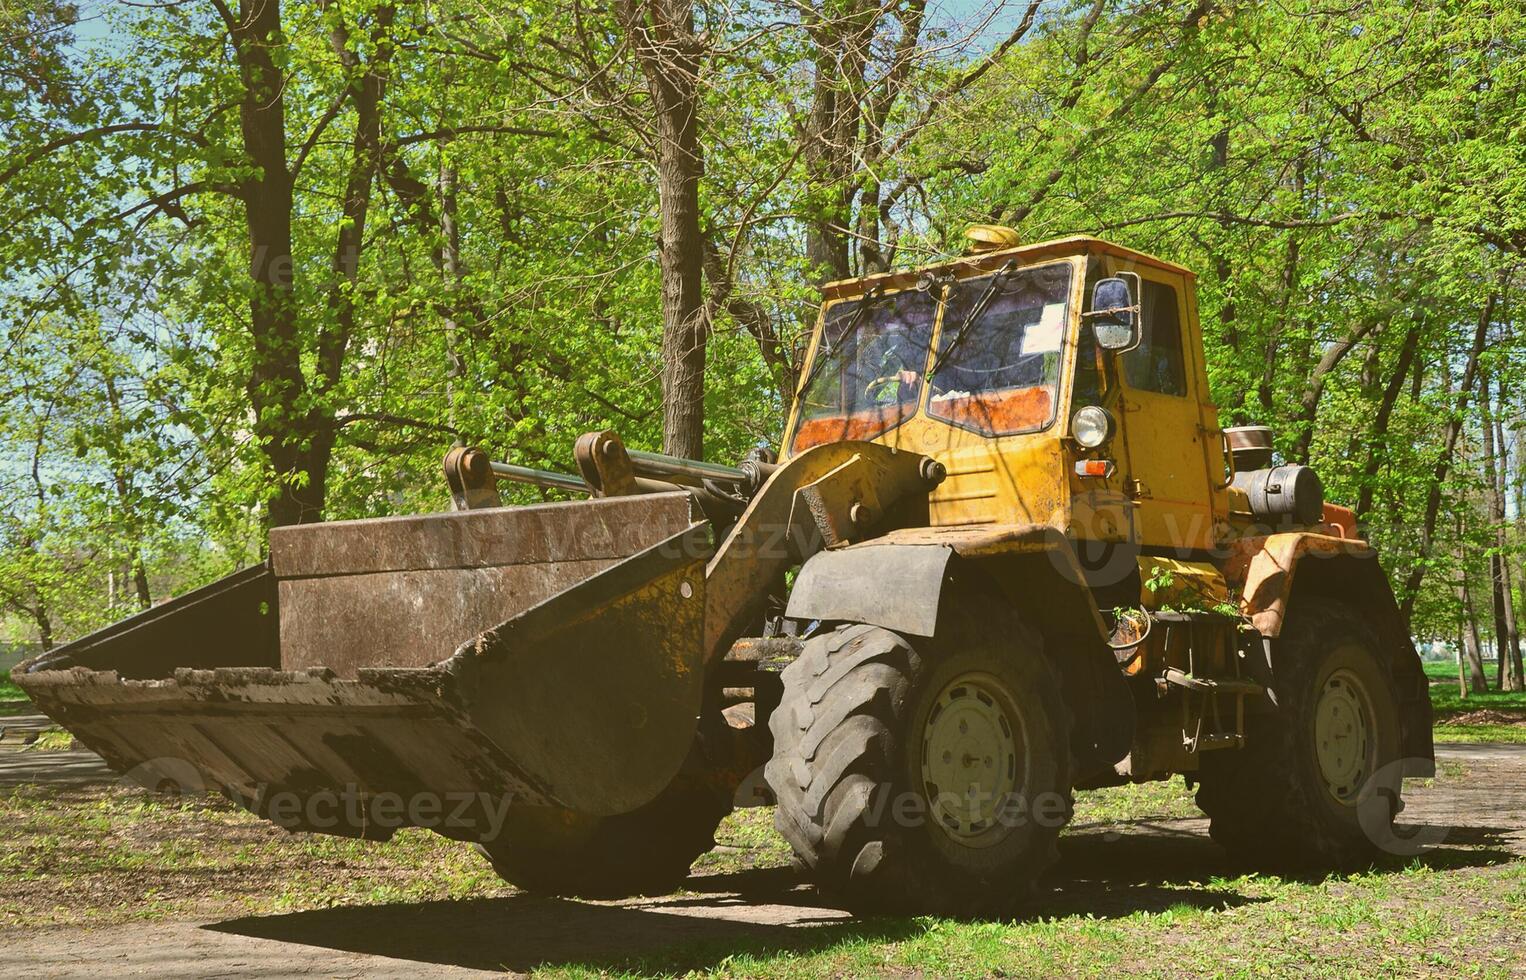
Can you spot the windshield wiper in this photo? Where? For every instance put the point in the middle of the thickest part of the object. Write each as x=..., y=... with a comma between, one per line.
x=824, y=351
x=982, y=303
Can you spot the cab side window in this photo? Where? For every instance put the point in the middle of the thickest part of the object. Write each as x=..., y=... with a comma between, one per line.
x=1156, y=364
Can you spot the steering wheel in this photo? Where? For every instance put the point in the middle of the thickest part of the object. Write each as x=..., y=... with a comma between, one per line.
x=872, y=387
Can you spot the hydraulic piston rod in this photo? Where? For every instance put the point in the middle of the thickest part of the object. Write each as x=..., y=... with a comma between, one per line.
x=540, y=478
x=661, y=464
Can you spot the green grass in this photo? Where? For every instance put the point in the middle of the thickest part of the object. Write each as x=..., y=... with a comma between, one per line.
x=746, y=839
x=13, y=700
x=1489, y=716
x=1479, y=733
x=1440, y=670
x=1397, y=923
x=53, y=740
x=1142, y=906
x=1446, y=700
x=1166, y=800
x=99, y=855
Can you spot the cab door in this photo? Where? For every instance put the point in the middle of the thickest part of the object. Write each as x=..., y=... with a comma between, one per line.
x=1166, y=472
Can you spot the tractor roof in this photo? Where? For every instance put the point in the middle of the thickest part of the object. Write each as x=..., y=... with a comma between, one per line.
x=992, y=260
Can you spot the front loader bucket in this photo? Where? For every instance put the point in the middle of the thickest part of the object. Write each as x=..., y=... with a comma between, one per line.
x=426, y=671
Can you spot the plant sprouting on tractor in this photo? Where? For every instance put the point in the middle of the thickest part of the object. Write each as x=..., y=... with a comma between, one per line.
x=1005, y=552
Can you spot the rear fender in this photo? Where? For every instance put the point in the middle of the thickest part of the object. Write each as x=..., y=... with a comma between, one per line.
x=1274, y=571
x=901, y=581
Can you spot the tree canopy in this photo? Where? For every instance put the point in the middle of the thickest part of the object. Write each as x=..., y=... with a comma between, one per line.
x=265, y=261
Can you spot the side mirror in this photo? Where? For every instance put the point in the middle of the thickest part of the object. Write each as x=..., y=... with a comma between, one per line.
x=1114, y=315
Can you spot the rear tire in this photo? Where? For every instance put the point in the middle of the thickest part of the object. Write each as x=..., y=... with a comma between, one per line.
x=868, y=726
x=1319, y=777
x=550, y=851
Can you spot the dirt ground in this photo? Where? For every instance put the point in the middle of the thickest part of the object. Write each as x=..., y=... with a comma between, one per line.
x=1109, y=872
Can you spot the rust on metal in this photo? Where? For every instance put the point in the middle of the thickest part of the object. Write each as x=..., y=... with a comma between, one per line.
x=1263, y=568
x=232, y=622
x=405, y=591
x=262, y=736
x=1250, y=446
x=761, y=649
x=577, y=684
x=469, y=474
x=780, y=529
x=602, y=460
x=597, y=689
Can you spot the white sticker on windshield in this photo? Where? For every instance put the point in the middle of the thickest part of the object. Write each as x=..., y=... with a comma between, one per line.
x=1044, y=336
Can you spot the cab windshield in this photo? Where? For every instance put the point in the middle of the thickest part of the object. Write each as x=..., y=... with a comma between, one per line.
x=866, y=377
x=997, y=370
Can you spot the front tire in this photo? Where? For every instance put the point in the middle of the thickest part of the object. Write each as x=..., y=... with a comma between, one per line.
x=1320, y=776
x=931, y=783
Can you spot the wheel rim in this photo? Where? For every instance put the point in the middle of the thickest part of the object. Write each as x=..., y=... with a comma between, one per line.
x=1343, y=735
x=972, y=760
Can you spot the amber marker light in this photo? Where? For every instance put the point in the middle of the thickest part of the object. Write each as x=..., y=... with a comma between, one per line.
x=1100, y=469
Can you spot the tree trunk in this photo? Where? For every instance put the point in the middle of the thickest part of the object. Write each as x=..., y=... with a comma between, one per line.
x=1517, y=475
x=1510, y=647
x=1308, y=412
x=832, y=120
x=756, y=320
x=122, y=480
x=1462, y=673
x=1470, y=659
x=1378, y=443
x=1223, y=270
x=1499, y=586
x=1266, y=390
x=875, y=255
x=38, y=609
x=841, y=35
x=1472, y=648
x=661, y=33
x=44, y=624
x=276, y=385
x=294, y=419
x=367, y=89
x=1444, y=461
x=1510, y=641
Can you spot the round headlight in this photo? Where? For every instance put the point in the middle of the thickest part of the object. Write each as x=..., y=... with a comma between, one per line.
x=1091, y=426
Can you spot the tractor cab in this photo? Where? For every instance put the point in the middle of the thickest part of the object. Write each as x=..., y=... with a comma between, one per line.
x=1059, y=383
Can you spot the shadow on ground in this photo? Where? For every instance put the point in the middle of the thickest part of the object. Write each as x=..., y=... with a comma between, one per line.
x=1153, y=867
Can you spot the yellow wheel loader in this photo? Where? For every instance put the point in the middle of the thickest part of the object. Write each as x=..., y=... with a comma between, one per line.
x=1004, y=552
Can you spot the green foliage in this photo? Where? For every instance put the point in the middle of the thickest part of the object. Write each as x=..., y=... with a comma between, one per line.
x=10, y=692
x=1343, y=181
x=1338, y=180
